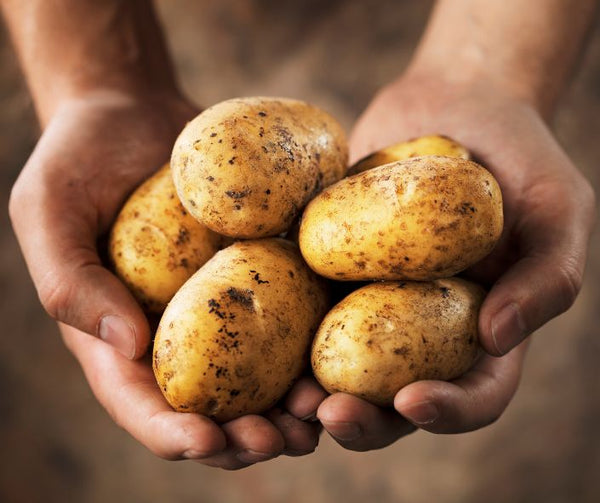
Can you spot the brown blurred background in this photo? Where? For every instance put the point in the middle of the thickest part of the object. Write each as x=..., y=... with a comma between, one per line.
x=58, y=444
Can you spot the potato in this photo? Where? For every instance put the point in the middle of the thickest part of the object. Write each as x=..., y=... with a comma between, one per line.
x=246, y=167
x=237, y=335
x=424, y=145
x=155, y=245
x=386, y=335
x=420, y=219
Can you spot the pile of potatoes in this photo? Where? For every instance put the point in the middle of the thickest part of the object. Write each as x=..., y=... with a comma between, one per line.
x=238, y=242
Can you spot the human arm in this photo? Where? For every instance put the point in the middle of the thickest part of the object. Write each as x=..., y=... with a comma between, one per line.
x=489, y=74
x=105, y=94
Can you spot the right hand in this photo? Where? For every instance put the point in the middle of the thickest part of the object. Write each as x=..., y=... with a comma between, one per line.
x=95, y=150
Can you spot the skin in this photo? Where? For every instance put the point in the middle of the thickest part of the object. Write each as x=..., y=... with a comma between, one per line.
x=536, y=270
x=85, y=164
x=89, y=106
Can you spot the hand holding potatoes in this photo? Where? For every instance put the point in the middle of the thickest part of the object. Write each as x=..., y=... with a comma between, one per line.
x=90, y=159
x=437, y=216
x=209, y=354
x=547, y=211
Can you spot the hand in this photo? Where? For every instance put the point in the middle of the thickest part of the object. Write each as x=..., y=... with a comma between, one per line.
x=128, y=391
x=534, y=273
x=94, y=151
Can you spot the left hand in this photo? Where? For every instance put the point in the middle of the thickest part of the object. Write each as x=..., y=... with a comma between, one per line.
x=534, y=272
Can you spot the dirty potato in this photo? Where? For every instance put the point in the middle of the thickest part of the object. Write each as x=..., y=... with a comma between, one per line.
x=386, y=335
x=434, y=144
x=155, y=245
x=237, y=334
x=246, y=167
x=420, y=219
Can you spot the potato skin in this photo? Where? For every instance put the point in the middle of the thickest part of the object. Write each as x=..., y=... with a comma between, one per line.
x=246, y=167
x=155, y=245
x=434, y=144
x=420, y=219
x=237, y=335
x=386, y=335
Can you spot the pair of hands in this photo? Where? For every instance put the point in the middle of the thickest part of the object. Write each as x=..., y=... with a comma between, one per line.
x=98, y=148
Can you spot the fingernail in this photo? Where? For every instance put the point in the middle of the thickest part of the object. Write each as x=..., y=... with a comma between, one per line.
x=508, y=328
x=421, y=413
x=249, y=456
x=311, y=418
x=115, y=331
x=345, y=432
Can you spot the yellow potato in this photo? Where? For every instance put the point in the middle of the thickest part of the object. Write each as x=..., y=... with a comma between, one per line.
x=420, y=219
x=155, y=245
x=237, y=334
x=424, y=145
x=386, y=335
x=246, y=167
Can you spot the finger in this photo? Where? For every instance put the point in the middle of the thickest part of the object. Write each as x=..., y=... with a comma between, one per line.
x=304, y=399
x=473, y=401
x=359, y=425
x=547, y=279
x=299, y=436
x=57, y=227
x=250, y=439
x=128, y=391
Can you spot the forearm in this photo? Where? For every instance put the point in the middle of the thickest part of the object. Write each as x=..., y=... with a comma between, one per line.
x=529, y=48
x=70, y=47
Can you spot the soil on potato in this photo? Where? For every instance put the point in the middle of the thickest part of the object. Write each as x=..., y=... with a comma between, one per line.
x=58, y=443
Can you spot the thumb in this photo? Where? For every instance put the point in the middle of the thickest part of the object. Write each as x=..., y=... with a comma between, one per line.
x=547, y=278
x=529, y=294
x=56, y=227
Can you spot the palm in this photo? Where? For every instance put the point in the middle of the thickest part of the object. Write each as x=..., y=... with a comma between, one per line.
x=101, y=152
x=536, y=265
x=540, y=187
x=91, y=157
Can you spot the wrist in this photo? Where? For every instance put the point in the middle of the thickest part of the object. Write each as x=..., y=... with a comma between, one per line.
x=69, y=48
x=468, y=74
x=63, y=91
x=530, y=56
x=173, y=108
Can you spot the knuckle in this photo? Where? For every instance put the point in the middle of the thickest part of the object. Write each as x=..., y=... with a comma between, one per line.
x=569, y=282
x=56, y=296
x=156, y=423
x=589, y=198
x=17, y=196
x=585, y=197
